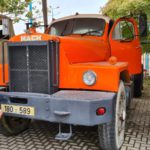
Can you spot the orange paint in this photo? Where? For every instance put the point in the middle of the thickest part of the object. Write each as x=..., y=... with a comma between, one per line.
x=128, y=51
x=43, y=37
x=84, y=49
x=113, y=60
x=108, y=75
x=4, y=77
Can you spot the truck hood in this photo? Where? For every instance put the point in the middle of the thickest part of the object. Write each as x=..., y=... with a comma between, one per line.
x=76, y=48
x=84, y=49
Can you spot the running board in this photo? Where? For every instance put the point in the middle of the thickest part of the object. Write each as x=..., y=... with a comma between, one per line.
x=63, y=136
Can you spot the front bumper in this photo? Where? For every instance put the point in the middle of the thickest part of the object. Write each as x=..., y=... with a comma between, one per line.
x=66, y=106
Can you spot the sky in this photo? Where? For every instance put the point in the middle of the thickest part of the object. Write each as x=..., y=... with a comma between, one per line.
x=68, y=7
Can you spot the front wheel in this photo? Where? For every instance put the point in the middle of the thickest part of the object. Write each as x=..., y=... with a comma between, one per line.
x=13, y=125
x=111, y=135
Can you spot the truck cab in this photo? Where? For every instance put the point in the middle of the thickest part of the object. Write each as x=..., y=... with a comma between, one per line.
x=118, y=38
x=80, y=72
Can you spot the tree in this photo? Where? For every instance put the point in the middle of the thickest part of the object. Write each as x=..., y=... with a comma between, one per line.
x=14, y=8
x=18, y=10
x=118, y=8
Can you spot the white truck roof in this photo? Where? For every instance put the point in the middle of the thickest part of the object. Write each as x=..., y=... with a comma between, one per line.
x=106, y=18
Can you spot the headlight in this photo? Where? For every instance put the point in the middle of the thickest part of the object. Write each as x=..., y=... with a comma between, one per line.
x=89, y=78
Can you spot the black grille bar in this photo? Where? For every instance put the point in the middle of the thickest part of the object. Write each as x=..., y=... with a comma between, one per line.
x=33, y=66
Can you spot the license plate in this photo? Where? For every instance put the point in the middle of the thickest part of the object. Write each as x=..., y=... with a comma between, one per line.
x=21, y=110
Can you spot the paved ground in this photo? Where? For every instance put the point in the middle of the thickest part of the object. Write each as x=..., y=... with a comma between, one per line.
x=40, y=135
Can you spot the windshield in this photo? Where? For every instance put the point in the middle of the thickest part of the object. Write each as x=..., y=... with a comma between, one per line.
x=83, y=26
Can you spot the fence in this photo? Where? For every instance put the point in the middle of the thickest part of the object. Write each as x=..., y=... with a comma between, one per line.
x=146, y=63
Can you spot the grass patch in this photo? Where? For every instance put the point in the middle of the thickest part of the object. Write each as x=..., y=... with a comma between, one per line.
x=147, y=82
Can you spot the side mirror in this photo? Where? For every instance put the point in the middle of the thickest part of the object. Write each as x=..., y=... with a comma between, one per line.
x=5, y=26
x=143, y=27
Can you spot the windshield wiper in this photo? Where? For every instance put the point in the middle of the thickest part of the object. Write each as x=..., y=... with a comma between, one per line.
x=68, y=23
x=93, y=31
x=65, y=28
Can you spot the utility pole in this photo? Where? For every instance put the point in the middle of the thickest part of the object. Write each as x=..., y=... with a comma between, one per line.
x=45, y=15
x=52, y=10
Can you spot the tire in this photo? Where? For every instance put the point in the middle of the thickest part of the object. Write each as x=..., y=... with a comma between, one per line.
x=13, y=125
x=111, y=135
x=138, y=85
x=129, y=94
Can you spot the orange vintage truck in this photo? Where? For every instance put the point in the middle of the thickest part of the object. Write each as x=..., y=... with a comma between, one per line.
x=80, y=72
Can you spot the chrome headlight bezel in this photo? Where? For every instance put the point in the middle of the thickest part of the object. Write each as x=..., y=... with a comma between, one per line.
x=89, y=78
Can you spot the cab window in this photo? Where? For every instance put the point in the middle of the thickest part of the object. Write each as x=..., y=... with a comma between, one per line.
x=124, y=30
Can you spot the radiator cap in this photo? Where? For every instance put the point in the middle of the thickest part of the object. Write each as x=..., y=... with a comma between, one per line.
x=113, y=60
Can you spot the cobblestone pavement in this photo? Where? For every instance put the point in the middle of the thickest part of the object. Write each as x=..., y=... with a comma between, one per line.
x=40, y=135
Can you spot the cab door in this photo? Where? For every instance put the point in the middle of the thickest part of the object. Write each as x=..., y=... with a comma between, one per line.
x=125, y=43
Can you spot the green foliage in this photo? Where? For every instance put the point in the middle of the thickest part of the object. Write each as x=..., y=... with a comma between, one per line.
x=118, y=8
x=14, y=8
x=147, y=82
x=146, y=44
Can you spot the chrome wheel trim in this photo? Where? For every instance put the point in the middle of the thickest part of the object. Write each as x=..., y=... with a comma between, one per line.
x=120, y=115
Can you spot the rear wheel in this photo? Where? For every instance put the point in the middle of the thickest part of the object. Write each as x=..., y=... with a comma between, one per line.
x=138, y=85
x=13, y=125
x=111, y=135
x=129, y=94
